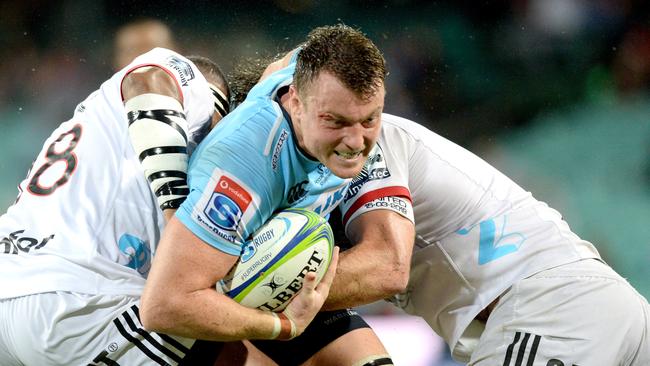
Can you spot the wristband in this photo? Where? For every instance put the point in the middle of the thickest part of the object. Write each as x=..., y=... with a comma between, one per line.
x=283, y=328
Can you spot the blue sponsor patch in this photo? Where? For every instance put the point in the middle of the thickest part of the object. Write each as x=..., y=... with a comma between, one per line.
x=492, y=244
x=223, y=211
x=138, y=252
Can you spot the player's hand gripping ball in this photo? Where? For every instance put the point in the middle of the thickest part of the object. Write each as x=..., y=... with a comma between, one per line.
x=273, y=265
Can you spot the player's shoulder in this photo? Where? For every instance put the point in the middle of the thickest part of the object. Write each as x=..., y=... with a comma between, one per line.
x=184, y=71
x=245, y=136
x=397, y=131
x=260, y=116
x=254, y=120
x=273, y=84
x=393, y=125
x=400, y=130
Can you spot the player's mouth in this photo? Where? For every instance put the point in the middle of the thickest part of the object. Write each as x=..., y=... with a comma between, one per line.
x=348, y=155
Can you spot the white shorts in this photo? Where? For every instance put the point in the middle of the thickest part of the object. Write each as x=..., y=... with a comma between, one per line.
x=63, y=328
x=581, y=313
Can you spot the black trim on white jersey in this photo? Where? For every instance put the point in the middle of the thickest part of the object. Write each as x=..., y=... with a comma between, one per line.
x=522, y=350
x=133, y=332
x=176, y=344
x=131, y=329
x=139, y=344
x=151, y=339
x=103, y=358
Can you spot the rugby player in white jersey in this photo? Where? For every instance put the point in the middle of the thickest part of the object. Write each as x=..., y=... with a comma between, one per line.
x=495, y=272
x=77, y=244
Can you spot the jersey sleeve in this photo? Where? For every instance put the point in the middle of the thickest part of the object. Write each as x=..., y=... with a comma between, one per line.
x=382, y=184
x=234, y=187
x=224, y=199
x=193, y=89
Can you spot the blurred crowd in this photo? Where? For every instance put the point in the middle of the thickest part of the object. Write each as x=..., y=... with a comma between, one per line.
x=555, y=93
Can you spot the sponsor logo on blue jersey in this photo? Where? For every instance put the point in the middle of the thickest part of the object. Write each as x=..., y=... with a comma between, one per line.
x=323, y=174
x=278, y=148
x=227, y=204
x=331, y=202
x=225, y=208
x=223, y=211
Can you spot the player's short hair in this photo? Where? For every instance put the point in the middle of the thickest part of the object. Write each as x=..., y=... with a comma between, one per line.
x=212, y=72
x=344, y=52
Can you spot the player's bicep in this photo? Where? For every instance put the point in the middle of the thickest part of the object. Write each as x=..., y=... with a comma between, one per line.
x=224, y=204
x=149, y=79
x=384, y=229
x=185, y=262
x=184, y=268
x=395, y=199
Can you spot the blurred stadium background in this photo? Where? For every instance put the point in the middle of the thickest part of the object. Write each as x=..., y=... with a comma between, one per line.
x=555, y=93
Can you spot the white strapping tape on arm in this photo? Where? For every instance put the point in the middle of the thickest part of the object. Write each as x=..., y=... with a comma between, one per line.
x=159, y=134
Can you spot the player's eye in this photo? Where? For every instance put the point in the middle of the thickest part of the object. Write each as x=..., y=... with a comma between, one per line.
x=370, y=122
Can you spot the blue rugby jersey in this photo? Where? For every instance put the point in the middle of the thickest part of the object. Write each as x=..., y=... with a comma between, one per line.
x=249, y=167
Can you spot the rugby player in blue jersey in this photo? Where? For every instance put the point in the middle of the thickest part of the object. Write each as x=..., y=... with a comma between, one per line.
x=297, y=141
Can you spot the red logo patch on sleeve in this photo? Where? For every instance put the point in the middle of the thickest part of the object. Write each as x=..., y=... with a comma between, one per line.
x=234, y=191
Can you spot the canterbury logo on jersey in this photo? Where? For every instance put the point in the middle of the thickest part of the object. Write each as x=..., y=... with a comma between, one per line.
x=160, y=348
x=15, y=243
x=297, y=192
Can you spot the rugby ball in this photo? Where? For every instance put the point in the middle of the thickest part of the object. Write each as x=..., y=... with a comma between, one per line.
x=274, y=262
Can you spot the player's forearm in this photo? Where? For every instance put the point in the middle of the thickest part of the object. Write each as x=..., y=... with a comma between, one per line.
x=204, y=314
x=364, y=276
x=378, y=264
x=180, y=298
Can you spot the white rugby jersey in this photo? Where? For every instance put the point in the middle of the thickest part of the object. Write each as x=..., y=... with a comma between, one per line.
x=87, y=220
x=477, y=232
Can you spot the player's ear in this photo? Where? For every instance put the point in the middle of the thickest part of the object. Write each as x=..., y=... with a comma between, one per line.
x=293, y=100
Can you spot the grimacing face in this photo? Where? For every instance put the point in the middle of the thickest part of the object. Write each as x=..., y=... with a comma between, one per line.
x=334, y=125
